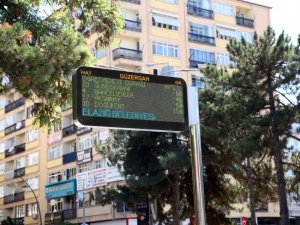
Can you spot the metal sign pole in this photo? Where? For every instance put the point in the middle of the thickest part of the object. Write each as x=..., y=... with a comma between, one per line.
x=197, y=166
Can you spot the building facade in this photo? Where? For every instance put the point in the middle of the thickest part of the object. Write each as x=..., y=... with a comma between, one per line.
x=163, y=37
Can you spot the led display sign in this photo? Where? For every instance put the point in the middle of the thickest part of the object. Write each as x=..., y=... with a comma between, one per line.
x=128, y=100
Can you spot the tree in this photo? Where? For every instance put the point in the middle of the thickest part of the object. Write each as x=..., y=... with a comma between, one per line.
x=39, y=53
x=258, y=94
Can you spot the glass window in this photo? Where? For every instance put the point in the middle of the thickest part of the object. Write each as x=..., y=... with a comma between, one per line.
x=98, y=54
x=196, y=81
x=201, y=29
x=248, y=36
x=204, y=4
x=20, y=162
x=2, y=124
x=55, y=205
x=33, y=183
x=55, y=177
x=226, y=33
x=2, y=147
x=2, y=166
x=101, y=136
x=85, y=167
x=100, y=163
x=1, y=192
x=70, y=173
x=164, y=21
x=20, y=211
x=29, y=112
x=54, y=152
x=2, y=102
x=202, y=56
x=33, y=159
x=32, y=135
x=9, y=121
x=170, y=1
x=122, y=207
x=224, y=9
x=31, y=209
x=85, y=142
x=165, y=49
x=223, y=59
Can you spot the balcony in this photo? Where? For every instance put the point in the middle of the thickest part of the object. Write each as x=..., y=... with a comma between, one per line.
x=133, y=1
x=127, y=53
x=19, y=196
x=70, y=157
x=54, y=217
x=15, y=127
x=67, y=131
x=195, y=63
x=83, y=130
x=9, y=199
x=197, y=11
x=15, y=150
x=201, y=39
x=132, y=25
x=244, y=22
x=15, y=221
x=14, y=105
x=19, y=172
x=69, y=214
x=9, y=175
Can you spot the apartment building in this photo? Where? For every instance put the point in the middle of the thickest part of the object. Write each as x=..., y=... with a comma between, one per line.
x=162, y=37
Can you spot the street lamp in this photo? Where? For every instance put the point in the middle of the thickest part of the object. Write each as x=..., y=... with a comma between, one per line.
x=36, y=200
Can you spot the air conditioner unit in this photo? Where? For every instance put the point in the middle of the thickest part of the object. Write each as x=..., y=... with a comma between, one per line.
x=34, y=216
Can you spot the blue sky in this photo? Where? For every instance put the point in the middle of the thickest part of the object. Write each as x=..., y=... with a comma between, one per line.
x=285, y=16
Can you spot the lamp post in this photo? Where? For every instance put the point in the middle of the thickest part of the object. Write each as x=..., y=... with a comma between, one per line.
x=36, y=200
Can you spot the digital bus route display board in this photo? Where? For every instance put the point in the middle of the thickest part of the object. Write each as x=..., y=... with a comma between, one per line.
x=128, y=100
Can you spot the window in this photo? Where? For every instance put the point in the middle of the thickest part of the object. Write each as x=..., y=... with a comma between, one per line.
x=85, y=167
x=98, y=54
x=100, y=163
x=85, y=142
x=224, y=9
x=201, y=29
x=70, y=173
x=223, y=59
x=2, y=124
x=121, y=207
x=2, y=147
x=56, y=126
x=170, y=1
x=1, y=192
x=2, y=166
x=196, y=81
x=9, y=121
x=33, y=159
x=226, y=33
x=202, y=56
x=32, y=135
x=165, y=49
x=20, y=163
x=20, y=211
x=29, y=112
x=33, y=183
x=248, y=36
x=2, y=102
x=55, y=177
x=56, y=205
x=204, y=4
x=165, y=21
x=101, y=136
x=31, y=209
x=54, y=152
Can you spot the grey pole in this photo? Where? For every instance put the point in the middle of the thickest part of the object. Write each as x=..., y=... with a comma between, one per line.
x=37, y=202
x=197, y=166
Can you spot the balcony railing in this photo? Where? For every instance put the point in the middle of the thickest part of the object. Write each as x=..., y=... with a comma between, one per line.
x=14, y=150
x=54, y=217
x=67, y=131
x=19, y=172
x=9, y=199
x=127, y=54
x=14, y=127
x=195, y=63
x=70, y=157
x=133, y=1
x=69, y=214
x=19, y=196
x=244, y=22
x=15, y=221
x=201, y=38
x=14, y=105
x=83, y=130
x=197, y=11
x=132, y=25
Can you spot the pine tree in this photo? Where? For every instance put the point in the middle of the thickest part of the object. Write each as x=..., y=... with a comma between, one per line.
x=39, y=52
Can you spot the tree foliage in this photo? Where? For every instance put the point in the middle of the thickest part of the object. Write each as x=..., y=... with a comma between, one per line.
x=39, y=52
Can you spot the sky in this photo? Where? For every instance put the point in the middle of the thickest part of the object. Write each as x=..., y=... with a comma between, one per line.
x=285, y=15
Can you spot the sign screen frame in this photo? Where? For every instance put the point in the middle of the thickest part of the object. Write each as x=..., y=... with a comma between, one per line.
x=120, y=123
